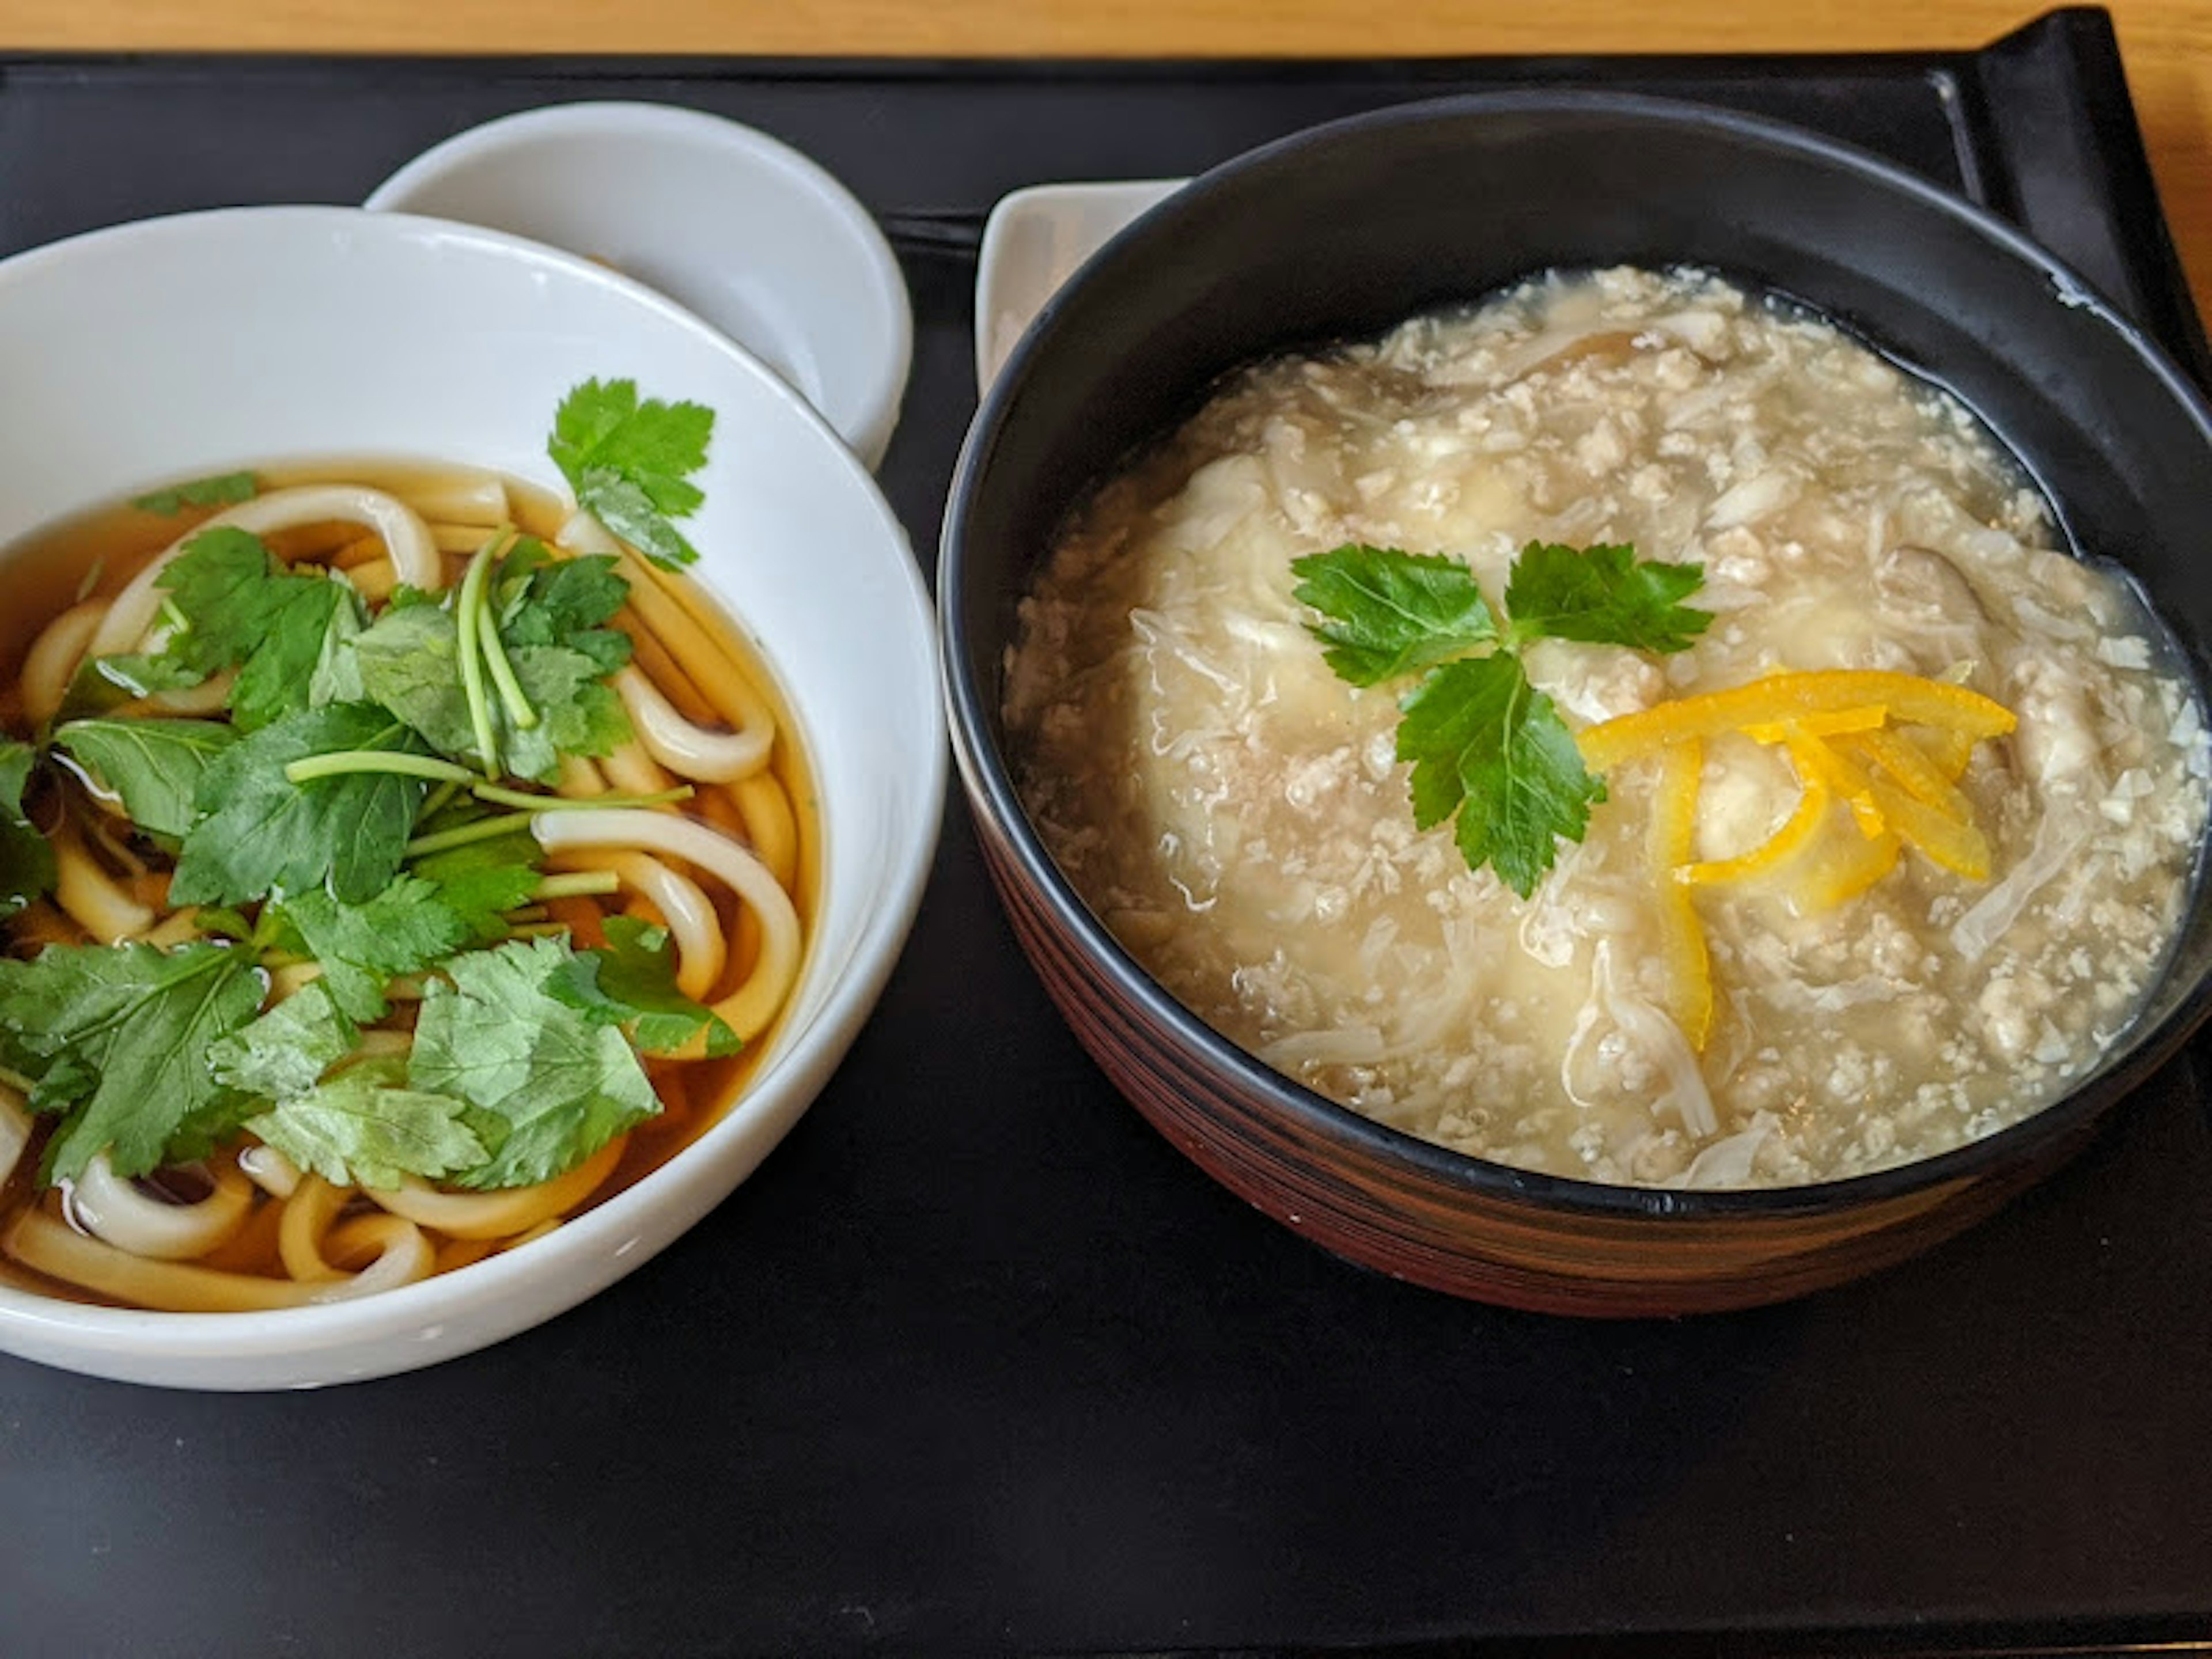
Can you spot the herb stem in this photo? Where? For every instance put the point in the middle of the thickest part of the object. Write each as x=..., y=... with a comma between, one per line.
x=511, y=693
x=468, y=620
x=468, y=834
x=346, y=762
x=15, y=1081
x=577, y=884
x=529, y=806
x=529, y=803
x=438, y=798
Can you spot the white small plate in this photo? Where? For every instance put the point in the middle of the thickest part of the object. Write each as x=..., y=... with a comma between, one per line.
x=1033, y=242
x=744, y=230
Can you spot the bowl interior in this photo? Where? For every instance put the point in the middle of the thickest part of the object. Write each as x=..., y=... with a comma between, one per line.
x=177, y=348
x=752, y=236
x=1339, y=233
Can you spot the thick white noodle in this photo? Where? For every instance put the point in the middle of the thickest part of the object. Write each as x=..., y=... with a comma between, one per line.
x=406, y=539
x=748, y=1009
x=90, y=896
x=633, y=771
x=53, y=658
x=580, y=532
x=269, y=1170
x=701, y=950
x=479, y=498
x=690, y=751
x=499, y=1214
x=111, y=1208
x=47, y=1246
x=14, y=1130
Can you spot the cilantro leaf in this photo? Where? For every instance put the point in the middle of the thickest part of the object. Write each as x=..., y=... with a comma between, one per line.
x=223, y=489
x=102, y=683
x=1485, y=745
x=541, y=600
x=480, y=881
x=153, y=766
x=261, y=833
x=578, y=713
x=629, y=463
x=632, y=982
x=117, y=1039
x=363, y=947
x=410, y=661
x=286, y=1050
x=241, y=609
x=1488, y=745
x=366, y=1128
x=27, y=861
x=1391, y=613
x=554, y=1084
x=1602, y=595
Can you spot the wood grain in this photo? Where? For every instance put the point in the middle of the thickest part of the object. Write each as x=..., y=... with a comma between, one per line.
x=2167, y=43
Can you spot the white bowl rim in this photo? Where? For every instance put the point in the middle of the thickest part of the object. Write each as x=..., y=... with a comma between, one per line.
x=145, y=1340
x=875, y=404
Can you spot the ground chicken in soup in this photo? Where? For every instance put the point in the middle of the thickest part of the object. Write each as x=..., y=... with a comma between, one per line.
x=1821, y=922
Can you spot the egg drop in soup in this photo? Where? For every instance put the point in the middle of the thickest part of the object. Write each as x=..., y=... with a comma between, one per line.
x=1875, y=852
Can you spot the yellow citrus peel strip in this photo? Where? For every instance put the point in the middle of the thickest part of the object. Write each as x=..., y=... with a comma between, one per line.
x=1846, y=779
x=1897, y=784
x=1910, y=764
x=1796, y=834
x=1783, y=698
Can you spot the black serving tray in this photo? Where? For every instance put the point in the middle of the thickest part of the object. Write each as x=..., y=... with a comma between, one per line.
x=975, y=1363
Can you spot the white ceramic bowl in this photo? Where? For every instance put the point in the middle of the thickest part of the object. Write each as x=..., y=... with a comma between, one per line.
x=758, y=238
x=183, y=346
x=1033, y=242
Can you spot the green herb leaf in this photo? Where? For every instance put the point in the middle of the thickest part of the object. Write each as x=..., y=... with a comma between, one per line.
x=1389, y=613
x=410, y=661
x=1602, y=595
x=1488, y=745
x=632, y=983
x=366, y=1128
x=629, y=463
x=27, y=861
x=286, y=1051
x=153, y=766
x=263, y=834
x=117, y=1039
x=363, y=947
x=224, y=489
x=557, y=1084
x=479, y=881
x=241, y=609
x=541, y=600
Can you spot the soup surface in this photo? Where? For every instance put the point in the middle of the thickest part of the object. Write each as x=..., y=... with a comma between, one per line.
x=584, y=945
x=1238, y=816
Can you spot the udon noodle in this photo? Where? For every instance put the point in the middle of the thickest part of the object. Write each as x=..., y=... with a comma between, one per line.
x=721, y=852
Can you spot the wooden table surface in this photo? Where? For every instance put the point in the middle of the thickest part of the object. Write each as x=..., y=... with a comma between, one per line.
x=2167, y=43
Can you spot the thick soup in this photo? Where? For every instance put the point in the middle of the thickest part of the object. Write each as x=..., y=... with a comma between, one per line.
x=1827, y=933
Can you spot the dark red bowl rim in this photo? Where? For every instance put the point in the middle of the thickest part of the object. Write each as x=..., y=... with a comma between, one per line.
x=990, y=788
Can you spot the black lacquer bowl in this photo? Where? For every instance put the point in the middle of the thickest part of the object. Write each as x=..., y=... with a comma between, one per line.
x=1338, y=233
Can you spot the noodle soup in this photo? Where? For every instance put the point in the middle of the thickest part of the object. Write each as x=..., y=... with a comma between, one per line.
x=1879, y=858
x=708, y=885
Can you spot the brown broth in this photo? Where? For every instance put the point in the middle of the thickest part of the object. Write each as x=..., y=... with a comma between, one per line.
x=96, y=554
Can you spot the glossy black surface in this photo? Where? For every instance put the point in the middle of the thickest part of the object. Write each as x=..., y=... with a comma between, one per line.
x=975, y=1363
